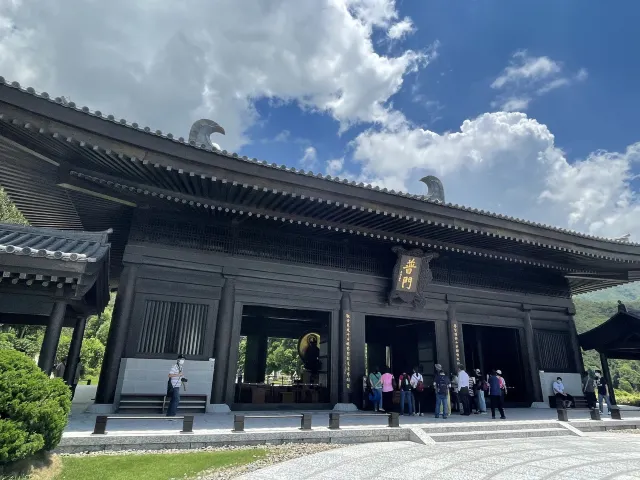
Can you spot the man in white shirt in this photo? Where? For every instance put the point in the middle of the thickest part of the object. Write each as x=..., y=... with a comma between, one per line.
x=463, y=390
x=176, y=379
x=561, y=395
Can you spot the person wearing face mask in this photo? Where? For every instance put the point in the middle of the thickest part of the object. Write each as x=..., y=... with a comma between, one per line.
x=561, y=395
x=176, y=379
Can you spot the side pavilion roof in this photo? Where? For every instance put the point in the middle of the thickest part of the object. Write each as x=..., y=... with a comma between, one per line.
x=74, y=168
x=618, y=337
x=39, y=266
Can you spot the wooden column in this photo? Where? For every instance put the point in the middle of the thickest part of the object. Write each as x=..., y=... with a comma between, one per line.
x=455, y=338
x=575, y=343
x=117, y=335
x=533, y=354
x=52, y=337
x=255, y=361
x=74, y=351
x=604, y=361
x=345, y=384
x=222, y=343
x=358, y=366
x=443, y=346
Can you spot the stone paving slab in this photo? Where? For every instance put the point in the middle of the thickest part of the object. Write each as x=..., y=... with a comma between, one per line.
x=539, y=458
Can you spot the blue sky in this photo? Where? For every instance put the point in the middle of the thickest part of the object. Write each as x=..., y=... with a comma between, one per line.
x=521, y=108
x=476, y=40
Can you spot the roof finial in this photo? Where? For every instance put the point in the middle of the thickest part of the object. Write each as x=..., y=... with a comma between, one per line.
x=201, y=132
x=435, y=189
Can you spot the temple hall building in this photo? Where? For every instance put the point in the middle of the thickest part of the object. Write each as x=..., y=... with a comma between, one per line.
x=205, y=246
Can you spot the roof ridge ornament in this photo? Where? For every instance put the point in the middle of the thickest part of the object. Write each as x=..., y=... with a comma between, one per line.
x=201, y=132
x=435, y=189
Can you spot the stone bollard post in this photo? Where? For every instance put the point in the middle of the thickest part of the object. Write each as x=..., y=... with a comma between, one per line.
x=101, y=425
x=334, y=421
x=238, y=423
x=394, y=420
x=187, y=424
x=615, y=413
x=563, y=416
x=595, y=414
x=305, y=421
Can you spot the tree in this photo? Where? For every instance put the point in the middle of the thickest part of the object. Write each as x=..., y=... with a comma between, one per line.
x=9, y=213
x=282, y=356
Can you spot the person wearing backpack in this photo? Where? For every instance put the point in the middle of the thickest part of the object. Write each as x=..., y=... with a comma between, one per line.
x=405, y=393
x=417, y=386
x=442, y=385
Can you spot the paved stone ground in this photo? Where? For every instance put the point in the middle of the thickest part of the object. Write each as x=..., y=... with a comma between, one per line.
x=81, y=424
x=598, y=456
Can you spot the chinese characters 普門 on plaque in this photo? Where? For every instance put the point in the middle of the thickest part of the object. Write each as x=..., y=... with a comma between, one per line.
x=408, y=274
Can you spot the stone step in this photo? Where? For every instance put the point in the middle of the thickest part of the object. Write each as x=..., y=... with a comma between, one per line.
x=487, y=426
x=499, y=435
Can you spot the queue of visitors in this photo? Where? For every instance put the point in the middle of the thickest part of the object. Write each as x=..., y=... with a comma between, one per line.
x=458, y=392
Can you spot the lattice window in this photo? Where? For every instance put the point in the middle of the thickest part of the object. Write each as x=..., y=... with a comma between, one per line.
x=554, y=349
x=355, y=254
x=173, y=327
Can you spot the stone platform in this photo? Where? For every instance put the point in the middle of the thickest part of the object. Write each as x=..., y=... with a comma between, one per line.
x=215, y=430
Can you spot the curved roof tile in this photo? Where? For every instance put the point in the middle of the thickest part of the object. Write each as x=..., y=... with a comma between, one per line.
x=169, y=136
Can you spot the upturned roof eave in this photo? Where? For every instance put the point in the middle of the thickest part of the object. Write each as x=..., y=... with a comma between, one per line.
x=149, y=141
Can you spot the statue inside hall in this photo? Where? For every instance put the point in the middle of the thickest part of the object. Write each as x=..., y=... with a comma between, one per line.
x=309, y=352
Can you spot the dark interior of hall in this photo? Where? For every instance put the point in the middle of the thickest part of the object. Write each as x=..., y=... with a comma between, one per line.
x=401, y=345
x=497, y=348
x=259, y=388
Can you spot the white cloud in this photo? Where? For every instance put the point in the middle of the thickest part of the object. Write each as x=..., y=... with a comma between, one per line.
x=165, y=64
x=524, y=67
x=309, y=158
x=335, y=166
x=401, y=29
x=528, y=76
x=513, y=104
x=509, y=163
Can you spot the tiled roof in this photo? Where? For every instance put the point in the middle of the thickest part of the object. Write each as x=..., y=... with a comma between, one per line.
x=168, y=136
x=67, y=245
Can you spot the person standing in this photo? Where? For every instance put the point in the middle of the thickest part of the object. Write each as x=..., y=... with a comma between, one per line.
x=417, y=386
x=60, y=368
x=76, y=378
x=441, y=385
x=176, y=378
x=479, y=387
x=387, y=389
x=455, y=401
x=405, y=393
x=496, y=395
x=589, y=389
x=375, y=379
x=503, y=383
x=463, y=390
x=603, y=392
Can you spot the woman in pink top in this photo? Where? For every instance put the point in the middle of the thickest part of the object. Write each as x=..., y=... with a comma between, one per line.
x=387, y=389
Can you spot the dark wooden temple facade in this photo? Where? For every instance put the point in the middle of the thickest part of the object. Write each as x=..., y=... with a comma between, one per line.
x=208, y=246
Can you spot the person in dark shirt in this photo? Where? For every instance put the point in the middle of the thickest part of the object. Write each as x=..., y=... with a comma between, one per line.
x=442, y=385
x=603, y=392
x=495, y=395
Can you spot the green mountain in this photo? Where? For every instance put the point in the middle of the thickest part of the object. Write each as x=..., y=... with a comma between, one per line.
x=626, y=293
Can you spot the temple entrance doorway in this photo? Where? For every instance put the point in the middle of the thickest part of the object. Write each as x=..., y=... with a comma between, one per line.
x=498, y=348
x=401, y=345
x=284, y=359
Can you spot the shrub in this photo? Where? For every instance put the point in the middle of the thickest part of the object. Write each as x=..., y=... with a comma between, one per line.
x=33, y=408
x=628, y=398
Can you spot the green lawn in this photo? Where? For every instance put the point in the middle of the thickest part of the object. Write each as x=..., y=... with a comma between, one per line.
x=152, y=466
